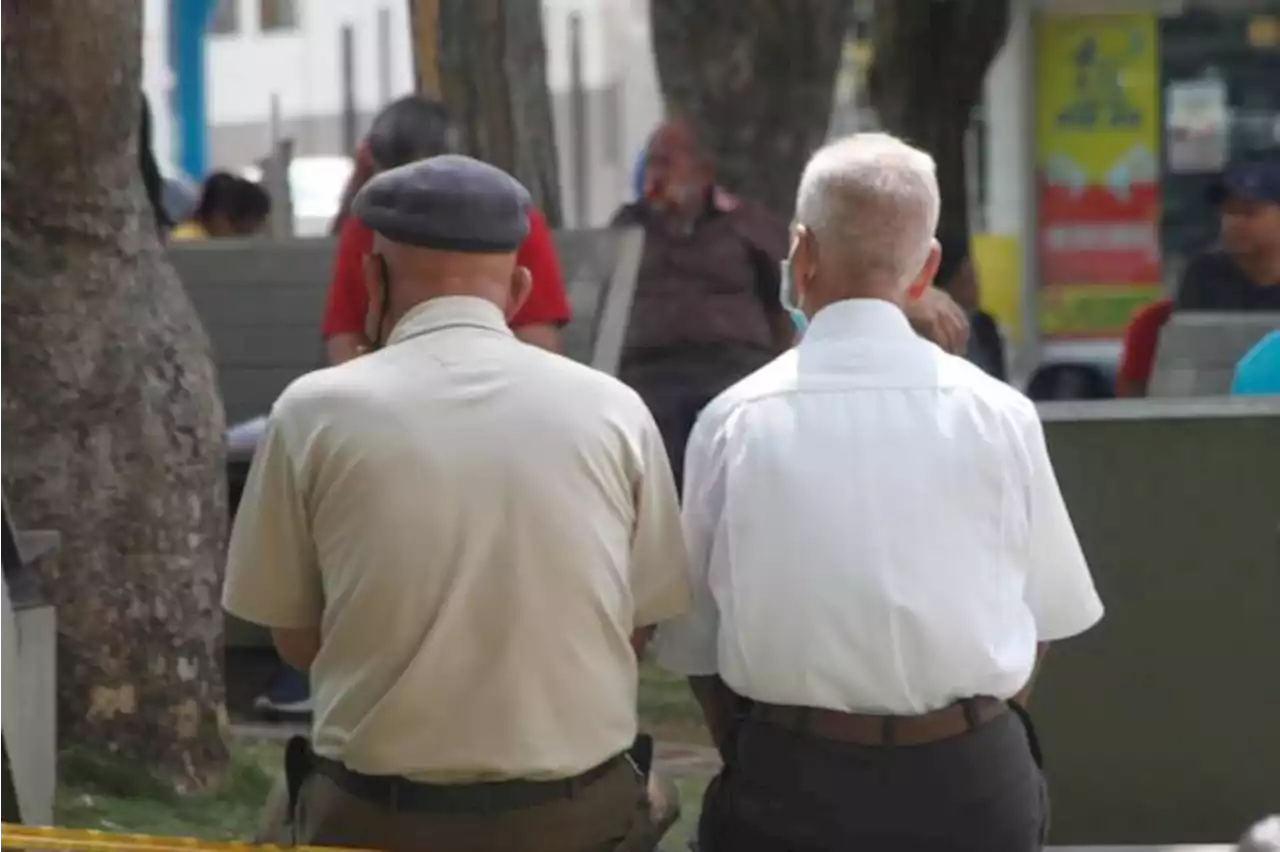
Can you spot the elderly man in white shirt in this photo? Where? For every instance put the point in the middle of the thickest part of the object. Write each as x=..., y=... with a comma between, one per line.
x=880, y=554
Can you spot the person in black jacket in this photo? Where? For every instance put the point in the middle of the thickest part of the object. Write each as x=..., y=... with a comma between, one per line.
x=959, y=279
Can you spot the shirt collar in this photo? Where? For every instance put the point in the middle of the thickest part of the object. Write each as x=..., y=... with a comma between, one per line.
x=858, y=318
x=447, y=312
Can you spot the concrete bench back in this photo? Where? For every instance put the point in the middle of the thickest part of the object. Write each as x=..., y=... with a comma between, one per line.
x=1198, y=352
x=261, y=303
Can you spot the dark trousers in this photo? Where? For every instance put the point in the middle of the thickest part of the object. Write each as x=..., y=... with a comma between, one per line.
x=597, y=820
x=310, y=806
x=979, y=792
x=675, y=399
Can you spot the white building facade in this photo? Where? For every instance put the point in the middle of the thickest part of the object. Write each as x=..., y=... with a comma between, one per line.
x=285, y=56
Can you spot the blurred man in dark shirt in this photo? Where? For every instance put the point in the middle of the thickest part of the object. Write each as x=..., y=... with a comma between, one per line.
x=708, y=308
x=1243, y=273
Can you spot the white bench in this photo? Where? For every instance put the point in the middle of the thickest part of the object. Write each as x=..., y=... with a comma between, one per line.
x=30, y=695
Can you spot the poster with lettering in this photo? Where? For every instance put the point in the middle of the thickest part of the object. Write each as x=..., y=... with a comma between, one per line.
x=1097, y=166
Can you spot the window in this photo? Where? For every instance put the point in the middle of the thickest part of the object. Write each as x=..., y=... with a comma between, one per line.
x=276, y=15
x=225, y=18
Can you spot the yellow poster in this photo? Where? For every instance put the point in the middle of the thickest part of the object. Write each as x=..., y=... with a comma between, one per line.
x=1097, y=169
x=997, y=260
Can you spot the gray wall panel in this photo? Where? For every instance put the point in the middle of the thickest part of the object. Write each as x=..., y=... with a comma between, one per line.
x=1160, y=725
x=261, y=303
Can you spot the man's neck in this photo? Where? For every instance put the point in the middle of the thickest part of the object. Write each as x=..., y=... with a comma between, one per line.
x=1262, y=268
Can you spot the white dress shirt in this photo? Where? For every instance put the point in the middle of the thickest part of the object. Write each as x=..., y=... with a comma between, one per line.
x=874, y=526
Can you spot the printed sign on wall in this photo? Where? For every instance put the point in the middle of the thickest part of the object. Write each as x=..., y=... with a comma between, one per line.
x=1097, y=151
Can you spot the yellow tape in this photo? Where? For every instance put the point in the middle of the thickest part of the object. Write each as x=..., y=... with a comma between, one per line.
x=84, y=840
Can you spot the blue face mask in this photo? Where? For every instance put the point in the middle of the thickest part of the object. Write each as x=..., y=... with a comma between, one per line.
x=787, y=295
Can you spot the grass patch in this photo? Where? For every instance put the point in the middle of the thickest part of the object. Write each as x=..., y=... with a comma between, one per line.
x=106, y=795
x=691, y=789
x=668, y=709
x=109, y=795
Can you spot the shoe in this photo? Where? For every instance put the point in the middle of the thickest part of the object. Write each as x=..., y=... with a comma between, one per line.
x=288, y=695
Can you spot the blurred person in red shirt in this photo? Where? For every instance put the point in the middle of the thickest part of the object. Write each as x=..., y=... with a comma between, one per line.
x=1138, y=355
x=414, y=128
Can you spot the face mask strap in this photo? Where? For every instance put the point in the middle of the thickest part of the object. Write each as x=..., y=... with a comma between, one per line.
x=384, y=289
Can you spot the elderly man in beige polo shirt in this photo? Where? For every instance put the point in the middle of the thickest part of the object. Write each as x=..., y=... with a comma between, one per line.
x=458, y=536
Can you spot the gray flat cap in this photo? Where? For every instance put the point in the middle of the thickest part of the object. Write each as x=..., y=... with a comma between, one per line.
x=449, y=203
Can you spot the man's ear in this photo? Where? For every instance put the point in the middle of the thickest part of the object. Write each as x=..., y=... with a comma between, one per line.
x=521, y=287
x=927, y=272
x=804, y=260
x=375, y=311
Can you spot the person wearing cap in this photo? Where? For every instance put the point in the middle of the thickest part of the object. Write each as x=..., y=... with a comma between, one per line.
x=460, y=537
x=409, y=129
x=1243, y=273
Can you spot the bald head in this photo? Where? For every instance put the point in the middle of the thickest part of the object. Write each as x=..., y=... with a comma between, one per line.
x=866, y=211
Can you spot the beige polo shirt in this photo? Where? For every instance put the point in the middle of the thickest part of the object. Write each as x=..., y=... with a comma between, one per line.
x=476, y=526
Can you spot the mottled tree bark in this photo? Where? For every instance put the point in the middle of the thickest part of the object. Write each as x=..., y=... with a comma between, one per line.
x=756, y=78
x=930, y=61
x=113, y=428
x=488, y=59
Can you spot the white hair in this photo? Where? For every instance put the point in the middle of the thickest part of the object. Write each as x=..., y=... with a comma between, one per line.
x=873, y=200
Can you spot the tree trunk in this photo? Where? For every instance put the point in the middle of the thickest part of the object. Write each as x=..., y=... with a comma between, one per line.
x=756, y=78
x=113, y=427
x=488, y=59
x=930, y=62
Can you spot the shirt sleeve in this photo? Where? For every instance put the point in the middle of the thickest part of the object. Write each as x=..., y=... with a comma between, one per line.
x=659, y=563
x=273, y=576
x=547, y=303
x=689, y=645
x=347, y=302
x=1060, y=591
x=1138, y=355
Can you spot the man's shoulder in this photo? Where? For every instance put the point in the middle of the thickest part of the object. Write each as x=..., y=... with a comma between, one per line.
x=1214, y=259
x=776, y=377
x=759, y=226
x=979, y=386
x=1210, y=281
x=566, y=379
x=628, y=214
x=312, y=392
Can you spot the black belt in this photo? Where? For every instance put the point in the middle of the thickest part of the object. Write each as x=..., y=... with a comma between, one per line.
x=400, y=794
